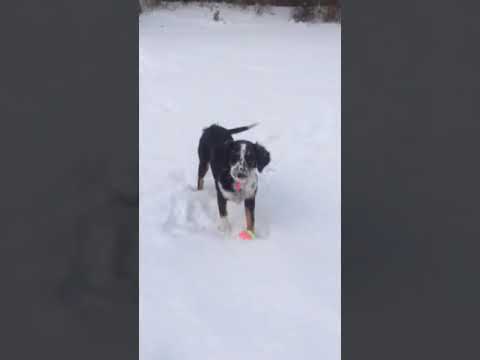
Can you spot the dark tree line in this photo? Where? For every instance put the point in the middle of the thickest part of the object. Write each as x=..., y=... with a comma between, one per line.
x=303, y=10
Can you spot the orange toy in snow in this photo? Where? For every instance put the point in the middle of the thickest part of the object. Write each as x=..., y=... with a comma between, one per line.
x=247, y=235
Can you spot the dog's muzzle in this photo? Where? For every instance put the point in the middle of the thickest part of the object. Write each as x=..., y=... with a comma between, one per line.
x=239, y=172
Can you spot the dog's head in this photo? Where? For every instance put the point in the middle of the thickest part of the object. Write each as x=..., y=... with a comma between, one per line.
x=244, y=157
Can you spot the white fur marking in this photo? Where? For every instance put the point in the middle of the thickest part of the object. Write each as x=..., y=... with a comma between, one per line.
x=247, y=191
x=243, y=148
x=224, y=225
x=240, y=163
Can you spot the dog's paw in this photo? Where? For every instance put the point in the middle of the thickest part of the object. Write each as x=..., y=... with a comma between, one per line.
x=224, y=225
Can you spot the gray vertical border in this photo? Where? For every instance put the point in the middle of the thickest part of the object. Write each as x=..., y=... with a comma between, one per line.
x=69, y=179
x=410, y=214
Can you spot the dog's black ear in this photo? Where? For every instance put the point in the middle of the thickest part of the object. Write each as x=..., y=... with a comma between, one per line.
x=263, y=157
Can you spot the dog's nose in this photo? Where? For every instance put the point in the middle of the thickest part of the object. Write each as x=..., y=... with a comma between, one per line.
x=242, y=175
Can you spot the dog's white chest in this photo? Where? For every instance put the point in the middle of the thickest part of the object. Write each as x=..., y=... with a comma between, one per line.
x=243, y=190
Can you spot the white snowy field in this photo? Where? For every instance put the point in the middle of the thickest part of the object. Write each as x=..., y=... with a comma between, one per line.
x=204, y=295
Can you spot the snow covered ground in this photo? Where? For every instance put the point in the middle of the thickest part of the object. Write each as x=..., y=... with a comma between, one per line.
x=203, y=295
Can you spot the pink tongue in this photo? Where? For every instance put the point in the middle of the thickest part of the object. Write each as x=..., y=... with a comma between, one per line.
x=237, y=186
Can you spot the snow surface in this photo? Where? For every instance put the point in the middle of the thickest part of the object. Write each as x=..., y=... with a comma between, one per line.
x=203, y=295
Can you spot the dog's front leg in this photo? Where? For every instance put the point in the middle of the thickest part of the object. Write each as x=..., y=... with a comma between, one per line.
x=222, y=209
x=250, y=214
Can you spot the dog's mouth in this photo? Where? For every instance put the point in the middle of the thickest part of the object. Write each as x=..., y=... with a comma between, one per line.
x=239, y=175
x=241, y=178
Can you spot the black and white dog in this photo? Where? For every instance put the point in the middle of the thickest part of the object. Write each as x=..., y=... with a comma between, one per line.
x=233, y=165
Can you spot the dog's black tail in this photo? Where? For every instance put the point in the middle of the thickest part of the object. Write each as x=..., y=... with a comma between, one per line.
x=241, y=129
